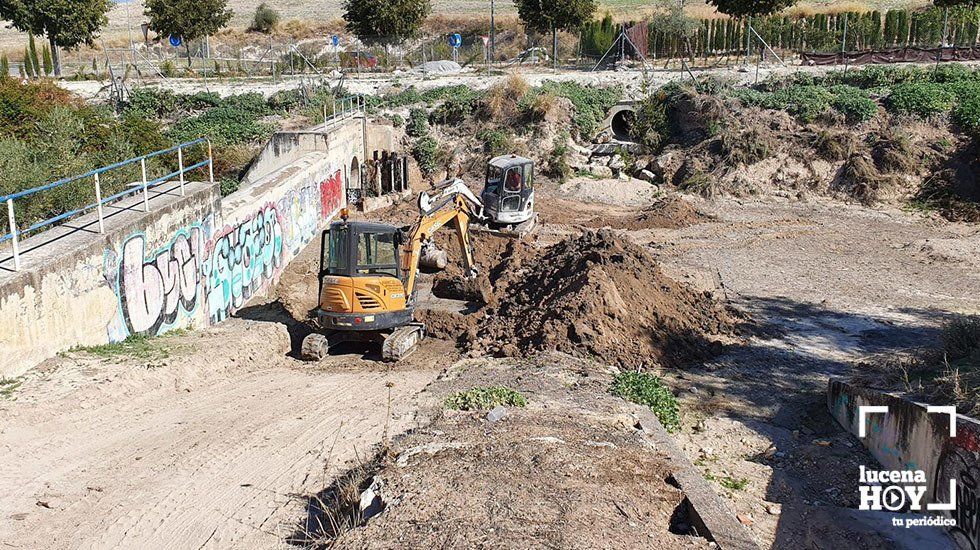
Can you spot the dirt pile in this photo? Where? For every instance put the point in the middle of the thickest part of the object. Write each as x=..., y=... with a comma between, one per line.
x=601, y=295
x=667, y=213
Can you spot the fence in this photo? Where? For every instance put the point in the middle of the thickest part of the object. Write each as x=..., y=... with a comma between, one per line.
x=145, y=185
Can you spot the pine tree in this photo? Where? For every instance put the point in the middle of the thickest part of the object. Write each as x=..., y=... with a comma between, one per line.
x=4, y=66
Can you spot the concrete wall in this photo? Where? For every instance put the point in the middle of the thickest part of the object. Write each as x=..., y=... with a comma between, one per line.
x=909, y=437
x=191, y=261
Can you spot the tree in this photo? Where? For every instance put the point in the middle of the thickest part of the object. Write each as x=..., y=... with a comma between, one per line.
x=385, y=21
x=46, y=60
x=265, y=19
x=4, y=66
x=32, y=52
x=750, y=8
x=554, y=15
x=28, y=64
x=187, y=19
x=66, y=23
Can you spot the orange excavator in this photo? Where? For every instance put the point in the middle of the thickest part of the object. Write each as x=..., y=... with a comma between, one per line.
x=368, y=275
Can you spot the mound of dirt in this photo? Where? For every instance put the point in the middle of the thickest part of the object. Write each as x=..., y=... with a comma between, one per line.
x=666, y=213
x=601, y=295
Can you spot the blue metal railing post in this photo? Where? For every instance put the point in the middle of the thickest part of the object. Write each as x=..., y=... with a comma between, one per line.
x=210, y=163
x=180, y=164
x=13, y=233
x=146, y=188
x=98, y=199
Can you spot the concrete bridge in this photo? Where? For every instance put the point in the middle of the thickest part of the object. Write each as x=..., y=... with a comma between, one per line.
x=183, y=256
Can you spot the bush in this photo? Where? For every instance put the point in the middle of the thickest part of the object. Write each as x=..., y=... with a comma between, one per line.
x=967, y=115
x=425, y=151
x=496, y=142
x=923, y=99
x=651, y=128
x=485, y=398
x=418, y=123
x=558, y=167
x=265, y=19
x=397, y=121
x=648, y=390
x=961, y=340
x=591, y=103
x=854, y=104
x=454, y=110
x=151, y=102
x=804, y=102
x=225, y=125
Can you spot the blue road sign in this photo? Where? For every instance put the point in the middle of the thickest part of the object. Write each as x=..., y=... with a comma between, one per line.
x=175, y=41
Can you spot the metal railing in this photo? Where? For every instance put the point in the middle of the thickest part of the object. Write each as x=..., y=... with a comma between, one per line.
x=349, y=107
x=145, y=185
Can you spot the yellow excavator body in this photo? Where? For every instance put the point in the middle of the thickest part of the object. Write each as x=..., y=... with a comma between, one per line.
x=368, y=273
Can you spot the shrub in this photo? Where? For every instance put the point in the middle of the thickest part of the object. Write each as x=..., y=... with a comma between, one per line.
x=591, y=103
x=454, y=110
x=558, y=167
x=481, y=398
x=151, y=102
x=425, y=151
x=648, y=390
x=502, y=101
x=961, y=339
x=651, y=127
x=418, y=123
x=854, y=104
x=923, y=99
x=496, y=142
x=804, y=102
x=397, y=121
x=967, y=115
x=265, y=19
x=225, y=125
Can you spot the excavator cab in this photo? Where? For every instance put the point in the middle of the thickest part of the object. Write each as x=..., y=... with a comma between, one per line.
x=508, y=195
x=361, y=280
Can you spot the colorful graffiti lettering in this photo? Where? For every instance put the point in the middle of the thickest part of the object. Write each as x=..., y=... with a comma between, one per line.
x=300, y=209
x=155, y=289
x=331, y=193
x=241, y=260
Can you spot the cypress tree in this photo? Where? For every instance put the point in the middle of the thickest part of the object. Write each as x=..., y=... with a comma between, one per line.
x=46, y=59
x=28, y=64
x=32, y=50
x=4, y=66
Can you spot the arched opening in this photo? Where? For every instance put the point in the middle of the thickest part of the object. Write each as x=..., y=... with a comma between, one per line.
x=355, y=174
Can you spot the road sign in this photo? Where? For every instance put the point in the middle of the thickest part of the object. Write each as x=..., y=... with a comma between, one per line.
x=455, y=40
x=175, y=41
x=335, y=40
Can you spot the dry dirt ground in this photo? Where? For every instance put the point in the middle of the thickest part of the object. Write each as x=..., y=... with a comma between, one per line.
x=219, y=438
x=209, y=440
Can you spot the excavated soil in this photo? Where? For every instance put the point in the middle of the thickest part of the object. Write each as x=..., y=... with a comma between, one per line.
x=569, y=470
x=601, y=295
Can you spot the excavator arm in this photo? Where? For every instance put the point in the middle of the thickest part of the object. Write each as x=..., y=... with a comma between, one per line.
x=456, y=205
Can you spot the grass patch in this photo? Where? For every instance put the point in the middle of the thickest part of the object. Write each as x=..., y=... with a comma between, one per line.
x=137, y=346
x=728, y=482
x=480, y=398
x=648, y=390
x=8, y=386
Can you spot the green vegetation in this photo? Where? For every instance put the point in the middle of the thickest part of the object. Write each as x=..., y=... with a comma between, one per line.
x=265, y=19
x=418, y=123
x=728, y=482
x=496, y=142
x=66, y=23
x=591, y=103
x=554, y=16
x=136, y=347
x=648, y=390
x=8, y=386
x=482, y=398
x=385, y=21
x=922, y=99
x=425, y=151
x=188, y=19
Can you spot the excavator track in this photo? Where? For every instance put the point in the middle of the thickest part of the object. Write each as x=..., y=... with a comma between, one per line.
x=402, y=342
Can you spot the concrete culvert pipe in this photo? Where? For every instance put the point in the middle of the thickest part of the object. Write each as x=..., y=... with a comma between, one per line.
x=622, y=124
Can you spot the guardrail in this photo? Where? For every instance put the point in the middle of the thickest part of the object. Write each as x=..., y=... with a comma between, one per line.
x=145, y=185
x=349, y=106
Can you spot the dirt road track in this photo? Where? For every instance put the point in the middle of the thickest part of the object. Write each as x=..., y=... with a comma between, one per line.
x=166, y=458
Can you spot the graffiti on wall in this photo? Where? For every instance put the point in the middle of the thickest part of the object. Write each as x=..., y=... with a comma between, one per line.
x=241, y=260
x=331, y=194
x=215, y=273
x=156, y=288
x=958, y=460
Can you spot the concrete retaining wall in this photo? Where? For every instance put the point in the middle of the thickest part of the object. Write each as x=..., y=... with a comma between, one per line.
x=908, y=437
x=191, y=261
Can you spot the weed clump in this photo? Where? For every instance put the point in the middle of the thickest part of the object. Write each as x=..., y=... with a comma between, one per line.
x=648, y=390
x=481, y=398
